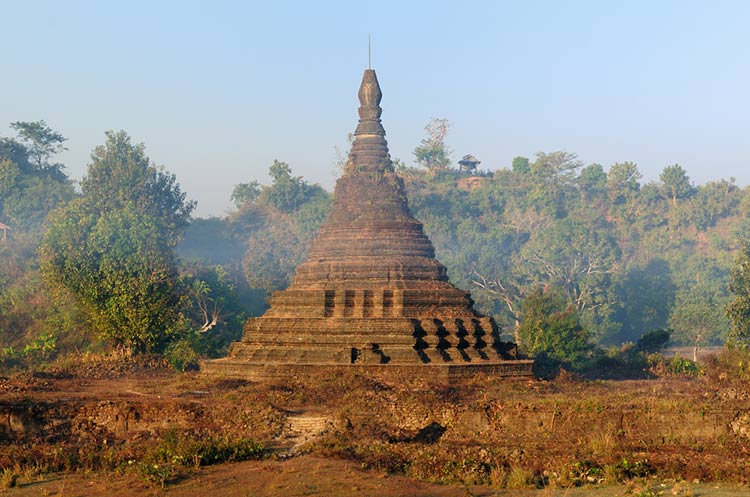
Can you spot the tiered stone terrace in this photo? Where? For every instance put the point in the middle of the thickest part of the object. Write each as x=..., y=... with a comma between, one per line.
x=371, y=293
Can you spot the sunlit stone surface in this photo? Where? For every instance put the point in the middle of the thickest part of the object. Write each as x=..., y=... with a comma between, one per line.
x=371, y=293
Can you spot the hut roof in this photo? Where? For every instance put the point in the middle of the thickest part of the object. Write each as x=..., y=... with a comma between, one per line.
x=469, y=159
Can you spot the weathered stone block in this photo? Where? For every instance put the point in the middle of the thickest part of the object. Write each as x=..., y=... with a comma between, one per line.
x=371, y=294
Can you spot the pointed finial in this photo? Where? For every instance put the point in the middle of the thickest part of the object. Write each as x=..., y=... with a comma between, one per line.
x=369, y=151
x=369, y=53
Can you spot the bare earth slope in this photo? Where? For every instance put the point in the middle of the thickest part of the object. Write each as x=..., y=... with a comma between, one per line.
x=97, y=430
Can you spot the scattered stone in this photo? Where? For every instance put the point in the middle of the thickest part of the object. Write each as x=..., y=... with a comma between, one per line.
x=740, y=425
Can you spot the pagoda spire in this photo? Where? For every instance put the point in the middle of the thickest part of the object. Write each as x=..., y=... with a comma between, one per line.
x=371, y=294
x=370, y=150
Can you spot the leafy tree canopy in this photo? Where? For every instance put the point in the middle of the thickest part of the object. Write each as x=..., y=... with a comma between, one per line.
x=245, y=193
x=113, y=248
x=432, y=153
x=629, y=260
x=738, y=310
x=120, y=174
x=41, y=144
x=676, y=183
x=30, y=185
x=623, y=181
x=551, y=328
x=287, y=193
x=278, y=222
x=521, y=165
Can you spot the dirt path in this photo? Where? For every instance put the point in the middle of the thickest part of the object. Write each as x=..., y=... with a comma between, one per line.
x=314, y=476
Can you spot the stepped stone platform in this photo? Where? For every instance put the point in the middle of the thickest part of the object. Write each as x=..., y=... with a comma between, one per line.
x=371, y=295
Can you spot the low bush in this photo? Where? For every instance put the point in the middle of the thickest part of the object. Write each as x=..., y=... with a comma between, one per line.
x=675, y=366
x=731, y=364
x=627, y=470
x=190, y=449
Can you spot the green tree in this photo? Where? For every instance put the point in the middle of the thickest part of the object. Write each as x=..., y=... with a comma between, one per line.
x=714, y=201
x=214, y=312
x=578, y=256
x=245, y=193
x=551, y=330
x=30, y=185
x=622, y=181
x=676, y=183
x=41, y=144
x=287, y=193
x=272, y=255
x=280, y=244
x=617, y=247
x=592, y=180
x=556, y=166
x=552, y=178
x=279, y=227
x=521, y=165
x=113, y=248
x=432, y=153
x=696, y=320
x=29, y=189
x=32, y=198
x=645, y=298
x=121, y=173
x=738, y=310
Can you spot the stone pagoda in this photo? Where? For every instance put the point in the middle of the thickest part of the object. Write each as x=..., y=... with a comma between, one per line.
x=371, y=293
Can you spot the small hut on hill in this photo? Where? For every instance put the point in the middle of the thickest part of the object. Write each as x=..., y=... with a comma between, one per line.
x=469, y=163
x=5, y=229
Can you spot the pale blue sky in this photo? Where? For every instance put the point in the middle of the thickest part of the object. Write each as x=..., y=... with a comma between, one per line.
x=217, y=90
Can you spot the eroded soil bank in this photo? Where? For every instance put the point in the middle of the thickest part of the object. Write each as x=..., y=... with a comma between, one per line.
x=83, y=430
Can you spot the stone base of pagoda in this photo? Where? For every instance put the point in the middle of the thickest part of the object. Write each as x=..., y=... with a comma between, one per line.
x=445, y=373
x=447, y=348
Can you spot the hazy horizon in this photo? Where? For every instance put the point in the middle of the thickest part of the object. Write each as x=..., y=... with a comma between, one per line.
x=217, y=92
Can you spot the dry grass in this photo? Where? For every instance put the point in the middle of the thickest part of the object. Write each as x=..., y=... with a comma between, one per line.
x=519, y=478
x=507, y=434
x=9, y=478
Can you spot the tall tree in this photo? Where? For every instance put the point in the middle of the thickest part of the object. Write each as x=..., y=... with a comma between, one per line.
x=622, y=181
x=245, y=193
x=30, y=184
x=556, y=166
x=42, y=143
x=578, y=256
x=432, y=152
x=278, y=224
x=676, y=183
x=645, y=298
x=553, y=179
x=113, y=248
x=738, y=310
x=521, y=165
x=287, y=193
x=121, y=173
x=696, y=318
x=592, y=180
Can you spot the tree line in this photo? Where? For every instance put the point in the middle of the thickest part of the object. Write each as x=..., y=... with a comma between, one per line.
x=559, y=251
